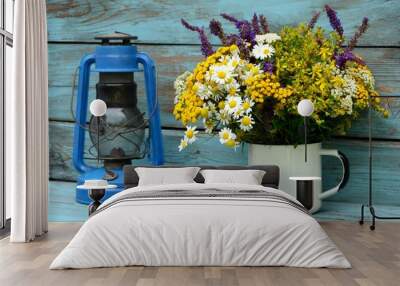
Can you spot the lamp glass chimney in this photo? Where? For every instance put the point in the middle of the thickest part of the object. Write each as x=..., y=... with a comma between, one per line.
x=121, y=125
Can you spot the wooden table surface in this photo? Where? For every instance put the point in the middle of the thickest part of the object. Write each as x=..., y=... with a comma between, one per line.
x=375, y=257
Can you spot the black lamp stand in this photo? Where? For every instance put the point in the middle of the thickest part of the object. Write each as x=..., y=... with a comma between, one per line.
x=370, y=205
x=305, y=139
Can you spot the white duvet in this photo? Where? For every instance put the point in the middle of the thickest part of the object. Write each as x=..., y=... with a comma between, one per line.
x=200, y=231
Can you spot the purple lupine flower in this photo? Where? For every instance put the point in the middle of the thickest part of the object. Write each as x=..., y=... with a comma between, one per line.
x=217, y=30
x=238, y=23
x=255, y=24
x=334, y=20
x=188, y=26
x=264, y=24
x=229, y=18
x=361, y=30
x=252, y=37
x=342, y=58
x=313, y=20
x=233, y=39
x=246, y=31
x=244, y=27
x=268, y=67
x=206, y=47
x=243, y=48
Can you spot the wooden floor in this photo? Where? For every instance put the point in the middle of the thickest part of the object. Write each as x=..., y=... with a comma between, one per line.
x=375, y=257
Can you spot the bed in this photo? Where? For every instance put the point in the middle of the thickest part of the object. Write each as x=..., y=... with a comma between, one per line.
x=197, y=224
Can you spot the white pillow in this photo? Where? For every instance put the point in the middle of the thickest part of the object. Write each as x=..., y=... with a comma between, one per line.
x=248, y=177
x=166, y=176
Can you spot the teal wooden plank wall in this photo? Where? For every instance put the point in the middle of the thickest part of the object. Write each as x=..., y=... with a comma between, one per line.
x=72, y=25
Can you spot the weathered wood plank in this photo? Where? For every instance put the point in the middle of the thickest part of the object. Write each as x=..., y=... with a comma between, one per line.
x=171, y=61
x=386, y=167
x=209, y=151
x=381, y=127
x=63, y=60
x=205, y=151
x=384, y=64
x=60, y=106
x=63, y=208
x=158, y=21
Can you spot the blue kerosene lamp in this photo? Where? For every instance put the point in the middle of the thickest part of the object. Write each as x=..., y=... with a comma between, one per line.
x=118, y=136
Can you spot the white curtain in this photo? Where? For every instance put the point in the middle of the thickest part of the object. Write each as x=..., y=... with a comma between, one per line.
x=27, y=123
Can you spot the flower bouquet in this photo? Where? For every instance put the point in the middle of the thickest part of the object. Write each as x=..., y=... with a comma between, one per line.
x=247, y=90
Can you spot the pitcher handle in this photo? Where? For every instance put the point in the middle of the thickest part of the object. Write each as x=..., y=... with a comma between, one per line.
x=346, y=172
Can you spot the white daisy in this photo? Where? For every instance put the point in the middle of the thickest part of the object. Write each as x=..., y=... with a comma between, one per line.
x=221, y=74
x=263, y=51
x=254, y=70
x=208, y=125
x=233, y=104
x=238, y=113
x=211, y=107
x=233, y=88
x=202, y=91
x=247, y=105
x=246, y=123
x=235, y=61
x=225, y=135
x=217, y=96
x=267, y=38
x=223, y=117
x=184, y=143
x=190, y=134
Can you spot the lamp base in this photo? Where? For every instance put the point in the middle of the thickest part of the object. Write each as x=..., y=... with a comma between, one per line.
x=82, y=195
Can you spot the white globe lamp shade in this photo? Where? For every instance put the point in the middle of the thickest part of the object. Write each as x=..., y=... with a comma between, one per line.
x=305, y=107
x=98, y=107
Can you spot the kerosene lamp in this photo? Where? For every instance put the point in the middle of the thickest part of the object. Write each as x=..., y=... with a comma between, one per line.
x=118, y=136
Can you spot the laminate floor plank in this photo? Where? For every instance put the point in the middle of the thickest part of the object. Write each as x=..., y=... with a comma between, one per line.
x=375, y=258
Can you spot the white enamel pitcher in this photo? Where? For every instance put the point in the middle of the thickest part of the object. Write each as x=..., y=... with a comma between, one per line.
x=291, y=163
